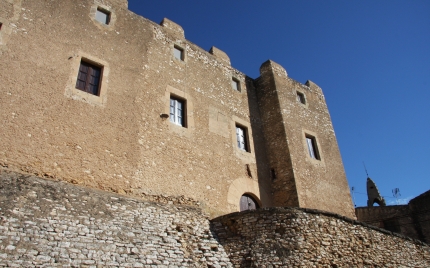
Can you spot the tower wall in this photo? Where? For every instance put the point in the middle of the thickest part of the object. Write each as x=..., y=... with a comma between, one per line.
x=284, y=190
x=309, y=182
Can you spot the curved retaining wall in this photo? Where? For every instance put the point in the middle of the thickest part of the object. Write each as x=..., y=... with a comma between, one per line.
x=53, y=224
x=290, y=237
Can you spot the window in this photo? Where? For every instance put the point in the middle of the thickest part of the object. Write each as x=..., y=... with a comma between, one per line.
x=1, y=24
x=242, y=139
x=89, y=78
x=177, y=111
x=312, y=147
x=301, y=97
x=235, y=84
x=178, y=53
x=102, y=16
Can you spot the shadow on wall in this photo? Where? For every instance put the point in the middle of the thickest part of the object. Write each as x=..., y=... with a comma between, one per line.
x=263, y=169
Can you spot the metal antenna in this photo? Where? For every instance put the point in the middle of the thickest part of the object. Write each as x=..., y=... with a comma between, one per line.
x=353, y=198
x=365, y=169
x=396, y=194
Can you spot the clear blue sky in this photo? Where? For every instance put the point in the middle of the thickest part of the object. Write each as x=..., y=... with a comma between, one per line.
x=371, y=58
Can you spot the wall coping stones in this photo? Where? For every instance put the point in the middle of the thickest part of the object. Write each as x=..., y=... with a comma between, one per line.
x=220, y=54
x=173, y=28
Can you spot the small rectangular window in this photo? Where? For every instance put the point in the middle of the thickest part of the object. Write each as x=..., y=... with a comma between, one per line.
x=242, y=138
x=103, y=16
x=177, y=111
x=301, y=97
x=1, y=24
x=178, y=53
x=235, y=84
x=312, y=147
x=89, y=78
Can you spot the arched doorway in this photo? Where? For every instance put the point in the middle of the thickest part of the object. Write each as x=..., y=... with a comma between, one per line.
x=247, y=202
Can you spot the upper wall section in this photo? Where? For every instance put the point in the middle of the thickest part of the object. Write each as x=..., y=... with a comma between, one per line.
x=116, y=3
x=173, y=28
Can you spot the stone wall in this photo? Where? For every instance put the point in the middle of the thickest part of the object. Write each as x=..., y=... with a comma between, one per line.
x=45, y=223
x=290, y=237
x=420, y=207
x=55, y=224
x=396, y=218
x=412, y=220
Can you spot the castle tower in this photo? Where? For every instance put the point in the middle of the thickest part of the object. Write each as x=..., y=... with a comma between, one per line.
x=302, y=150
x=147, y=113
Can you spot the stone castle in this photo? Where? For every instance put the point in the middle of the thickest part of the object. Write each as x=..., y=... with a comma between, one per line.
x=96, y=95
x=117, y=111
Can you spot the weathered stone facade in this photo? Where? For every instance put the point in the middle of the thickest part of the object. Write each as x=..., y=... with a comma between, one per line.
x=121, y=139
x=55, y=224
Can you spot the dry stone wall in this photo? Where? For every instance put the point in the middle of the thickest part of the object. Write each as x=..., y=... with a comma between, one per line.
x=46, y=223
x=290, y=237
x=54, y=224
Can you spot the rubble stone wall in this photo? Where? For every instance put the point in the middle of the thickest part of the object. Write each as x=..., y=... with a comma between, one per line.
x=291, y=237
x=55, y=224
x=46, y=223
